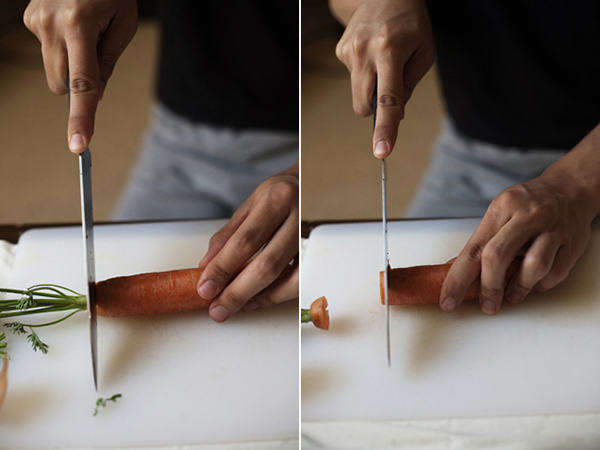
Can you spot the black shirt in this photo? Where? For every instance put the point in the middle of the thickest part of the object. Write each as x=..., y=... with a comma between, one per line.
x=522, y=73
x=230, y=63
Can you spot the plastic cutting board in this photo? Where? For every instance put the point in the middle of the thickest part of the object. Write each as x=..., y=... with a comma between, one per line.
x=184, y=379
x=539, y=357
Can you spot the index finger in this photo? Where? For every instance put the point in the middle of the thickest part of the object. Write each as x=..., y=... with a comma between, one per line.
x=390, y=109
x=84, y=86
x=466, y=267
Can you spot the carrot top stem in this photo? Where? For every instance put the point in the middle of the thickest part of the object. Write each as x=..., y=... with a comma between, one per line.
x=2, y=345
x=305, y=316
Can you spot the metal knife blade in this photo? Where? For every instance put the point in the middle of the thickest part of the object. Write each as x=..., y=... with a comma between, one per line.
x=87, y=219
x=386, y=258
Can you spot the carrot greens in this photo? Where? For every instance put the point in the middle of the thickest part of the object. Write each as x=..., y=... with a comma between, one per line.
x=101, y=402
x=38, y=299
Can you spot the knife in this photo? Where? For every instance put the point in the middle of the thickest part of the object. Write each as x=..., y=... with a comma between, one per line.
x=87, y=225
x=386, y=257
x=87, y=220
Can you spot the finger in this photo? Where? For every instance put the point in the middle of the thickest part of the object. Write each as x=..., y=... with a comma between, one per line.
x=562, y=265
x=466, y=267
x=260, y=272
x=390, y=108
x=54, y=56
x=220, y=238
x=111, y=47
x=244, y=243
x=84, y=82
x=415, y=69
x=497, y=255
x=281, y=290
x=363, y=85
x=537, y=263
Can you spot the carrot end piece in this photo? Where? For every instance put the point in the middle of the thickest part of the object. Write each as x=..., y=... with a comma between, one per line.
x=319, y=313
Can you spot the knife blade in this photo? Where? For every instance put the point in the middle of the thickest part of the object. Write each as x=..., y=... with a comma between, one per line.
x=386, y=257
x=87, y=221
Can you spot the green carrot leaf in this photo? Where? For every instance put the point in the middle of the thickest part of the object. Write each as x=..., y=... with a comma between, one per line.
x=101, y=402
x=16, y=327
x=37, y=343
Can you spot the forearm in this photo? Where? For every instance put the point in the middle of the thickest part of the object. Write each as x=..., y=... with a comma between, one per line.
x=578, y=173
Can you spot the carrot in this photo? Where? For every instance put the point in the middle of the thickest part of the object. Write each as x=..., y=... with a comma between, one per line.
x=3, y=380
x=154, y=293
x=319, y=313
x=150, y=293
x=423, y=284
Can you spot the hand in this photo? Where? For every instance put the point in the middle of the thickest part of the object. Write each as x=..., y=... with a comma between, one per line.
x=81, y=42
x=268, y=219
x=389, y=42
x=547, y=218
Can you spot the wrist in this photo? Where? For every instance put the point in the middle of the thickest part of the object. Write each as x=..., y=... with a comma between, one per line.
x=578, y=173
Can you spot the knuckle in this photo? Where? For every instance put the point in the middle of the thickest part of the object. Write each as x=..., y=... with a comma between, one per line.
x=389, y=100
x=492, y=253
x=43, y=18
x=82, y=85
x=360, y=45
x=474, y=252
x=247, y=242
x=219, y=273
x=71, y=17
x=286, y=192
x=488, y=292
x=268, y=268
x=535, y=268
x=234, y=299
x=506, y=198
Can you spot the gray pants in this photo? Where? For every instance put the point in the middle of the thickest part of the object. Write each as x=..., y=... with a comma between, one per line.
x=465, y=175
x=189, y=171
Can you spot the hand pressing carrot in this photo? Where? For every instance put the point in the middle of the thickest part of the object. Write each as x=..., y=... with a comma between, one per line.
x=423, y=284
x=317, y=314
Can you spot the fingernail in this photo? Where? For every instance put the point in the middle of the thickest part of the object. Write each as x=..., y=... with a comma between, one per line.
x=381, y=149
x=251, y=306
x=449, y=305
x=208, y=289
x=77, y=143
x=218, y=314
x=488, y=307
x=513, y=298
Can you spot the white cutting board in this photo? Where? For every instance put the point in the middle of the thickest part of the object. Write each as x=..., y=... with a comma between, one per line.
x=184, y=379
x=539, y=357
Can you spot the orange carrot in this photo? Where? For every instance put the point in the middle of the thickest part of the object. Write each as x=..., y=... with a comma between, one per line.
x=150, y=293
x=319, y=314
x=423, y=284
